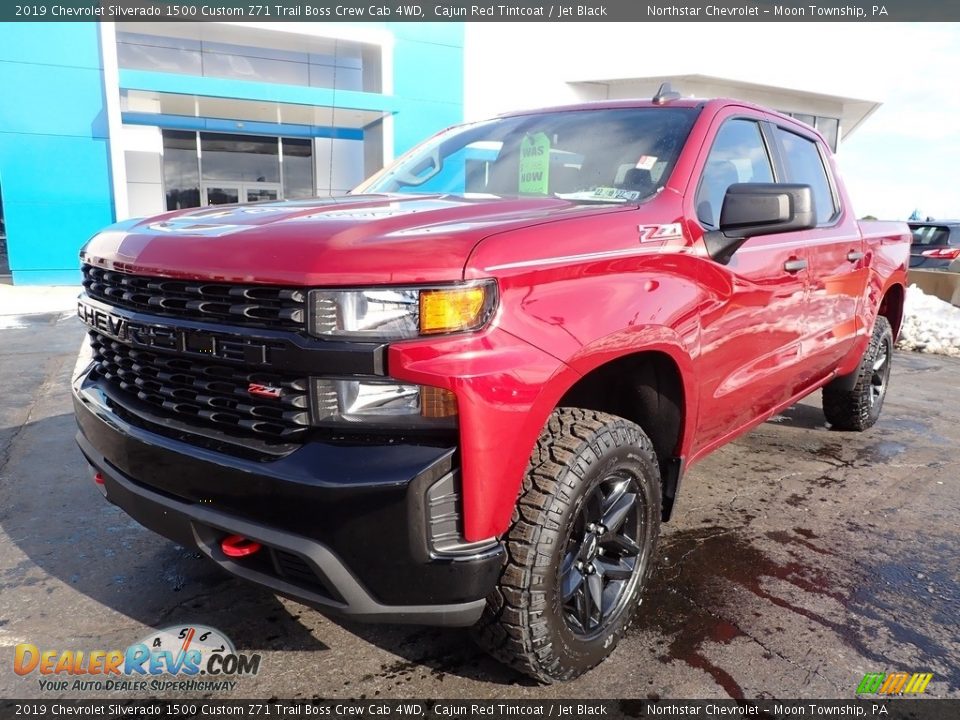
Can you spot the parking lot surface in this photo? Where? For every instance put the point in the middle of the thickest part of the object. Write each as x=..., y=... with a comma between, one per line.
x=798, y=560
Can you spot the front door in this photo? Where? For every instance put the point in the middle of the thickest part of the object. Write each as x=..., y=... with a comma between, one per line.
x=753, y=320
x=230, y=193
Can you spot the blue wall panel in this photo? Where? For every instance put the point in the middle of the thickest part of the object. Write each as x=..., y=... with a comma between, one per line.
x=428, y=72
x=54, y=155
x=36, y=253
x=427, y=80
x=81, y=163
x=51, y=100
x=65, y=44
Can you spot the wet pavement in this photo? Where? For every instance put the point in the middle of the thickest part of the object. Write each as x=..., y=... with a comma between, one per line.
x=799, y=560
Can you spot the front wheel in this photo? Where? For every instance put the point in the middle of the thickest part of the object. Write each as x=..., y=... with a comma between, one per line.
x=859, y=408
x=579, y=549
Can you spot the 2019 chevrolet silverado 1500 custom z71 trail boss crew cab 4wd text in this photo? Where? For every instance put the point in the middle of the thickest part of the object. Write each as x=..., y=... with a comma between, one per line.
x=466, y=393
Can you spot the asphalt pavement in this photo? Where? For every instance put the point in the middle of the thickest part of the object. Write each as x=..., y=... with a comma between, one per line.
x=799, y=559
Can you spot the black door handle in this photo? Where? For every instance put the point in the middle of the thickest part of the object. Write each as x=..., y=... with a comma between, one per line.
x=795, y=265
x=855, y=255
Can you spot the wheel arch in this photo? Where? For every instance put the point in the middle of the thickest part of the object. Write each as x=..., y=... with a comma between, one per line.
x=891, y=307
x=647, y=387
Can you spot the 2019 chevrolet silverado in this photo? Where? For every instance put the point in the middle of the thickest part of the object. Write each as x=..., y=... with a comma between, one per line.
x=467, y=392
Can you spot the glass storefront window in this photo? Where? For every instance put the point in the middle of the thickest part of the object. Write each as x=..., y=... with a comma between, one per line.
x=181, y=170
x=234, y=168
x=339, y=64
x=162, y=54
x=297, y=168
x=251, y=158
x=223, y=195
x=830, y=129
x=257, y=69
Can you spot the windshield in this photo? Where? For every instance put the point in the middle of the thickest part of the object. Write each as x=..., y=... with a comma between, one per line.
x=619, y=155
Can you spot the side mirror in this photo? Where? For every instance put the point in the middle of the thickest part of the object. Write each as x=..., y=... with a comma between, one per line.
x=751, y=209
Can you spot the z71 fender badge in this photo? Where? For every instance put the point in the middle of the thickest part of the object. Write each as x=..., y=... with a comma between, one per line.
x=650, y=233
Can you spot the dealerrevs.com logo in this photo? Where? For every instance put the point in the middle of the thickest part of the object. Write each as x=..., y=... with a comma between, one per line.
x=178, y=658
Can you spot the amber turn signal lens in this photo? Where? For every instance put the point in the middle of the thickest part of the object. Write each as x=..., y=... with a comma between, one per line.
x=437, y=402
x=451, y=310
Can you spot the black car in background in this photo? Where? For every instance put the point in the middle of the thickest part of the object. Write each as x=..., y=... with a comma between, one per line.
x=935, y=245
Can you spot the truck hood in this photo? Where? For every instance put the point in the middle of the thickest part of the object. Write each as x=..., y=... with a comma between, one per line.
x=352, y=240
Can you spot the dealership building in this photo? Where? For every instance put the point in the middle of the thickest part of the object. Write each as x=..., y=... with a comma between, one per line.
x=103, y=122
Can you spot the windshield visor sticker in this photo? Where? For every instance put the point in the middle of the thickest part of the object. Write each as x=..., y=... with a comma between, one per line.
x=646, y=162
x=534, y=164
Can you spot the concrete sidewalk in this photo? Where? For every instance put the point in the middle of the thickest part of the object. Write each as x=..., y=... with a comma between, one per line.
x=19, y=302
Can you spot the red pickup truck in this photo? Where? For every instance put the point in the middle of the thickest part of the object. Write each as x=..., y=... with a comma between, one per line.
x=467, y=392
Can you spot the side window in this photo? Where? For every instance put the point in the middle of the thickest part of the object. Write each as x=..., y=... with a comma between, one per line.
x=738, y=155
x=805, y=165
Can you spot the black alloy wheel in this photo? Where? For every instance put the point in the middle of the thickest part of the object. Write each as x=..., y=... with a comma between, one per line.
x=603, y=554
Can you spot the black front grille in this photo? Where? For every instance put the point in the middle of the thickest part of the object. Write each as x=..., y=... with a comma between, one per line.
x=203, y=393
x=247, y=305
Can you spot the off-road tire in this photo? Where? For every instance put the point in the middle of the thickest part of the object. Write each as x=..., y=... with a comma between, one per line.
x=577, y=454
x=859, y=408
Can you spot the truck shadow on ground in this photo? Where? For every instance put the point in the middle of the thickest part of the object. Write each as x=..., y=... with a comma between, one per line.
x=801, y=416
x=73, y=540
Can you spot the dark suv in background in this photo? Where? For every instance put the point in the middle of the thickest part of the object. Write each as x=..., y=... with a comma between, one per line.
x=935, y=244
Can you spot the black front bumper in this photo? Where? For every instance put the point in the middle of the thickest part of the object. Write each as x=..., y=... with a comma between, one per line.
x=342, y=525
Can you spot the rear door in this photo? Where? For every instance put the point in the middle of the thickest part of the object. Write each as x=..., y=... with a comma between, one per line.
x=835, y=252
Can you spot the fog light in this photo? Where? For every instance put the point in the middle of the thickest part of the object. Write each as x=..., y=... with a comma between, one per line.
x=342, y=402
x=437, y=402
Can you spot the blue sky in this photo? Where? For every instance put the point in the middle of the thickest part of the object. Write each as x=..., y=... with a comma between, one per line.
x=907, y=154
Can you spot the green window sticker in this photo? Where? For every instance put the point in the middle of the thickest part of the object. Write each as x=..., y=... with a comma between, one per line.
x=535, y=164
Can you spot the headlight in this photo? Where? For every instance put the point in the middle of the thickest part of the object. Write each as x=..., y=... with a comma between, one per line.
x=379, y=402
x=398, y=313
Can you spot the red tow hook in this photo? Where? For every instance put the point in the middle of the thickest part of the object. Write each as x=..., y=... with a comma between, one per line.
x=100, y=483
x=237, y=546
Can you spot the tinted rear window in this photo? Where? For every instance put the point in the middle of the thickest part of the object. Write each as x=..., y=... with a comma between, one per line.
x=930, y=234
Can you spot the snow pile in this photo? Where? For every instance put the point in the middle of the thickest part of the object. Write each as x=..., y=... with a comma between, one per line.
x=17, y=302
x=930, y=325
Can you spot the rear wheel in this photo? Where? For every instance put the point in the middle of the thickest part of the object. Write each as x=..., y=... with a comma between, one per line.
x=859, y=408
x=579, y=549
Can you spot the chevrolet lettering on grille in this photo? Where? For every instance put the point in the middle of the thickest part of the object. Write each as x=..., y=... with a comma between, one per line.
x=164, y=337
